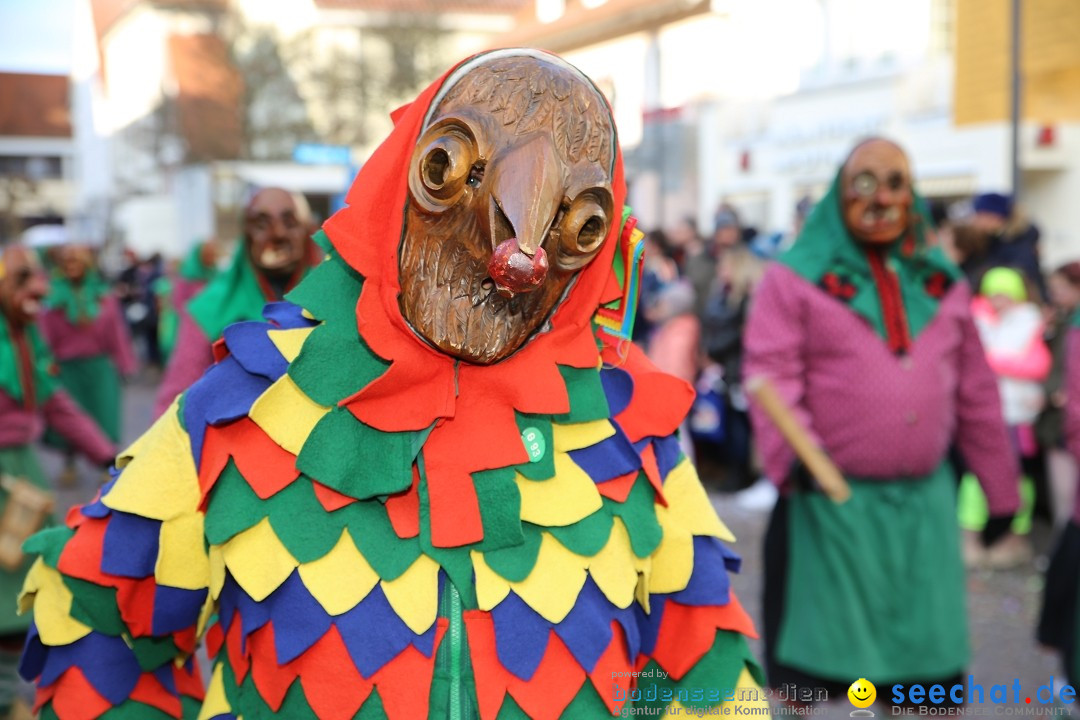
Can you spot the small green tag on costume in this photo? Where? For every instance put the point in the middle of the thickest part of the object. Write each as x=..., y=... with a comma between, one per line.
x=535, y=444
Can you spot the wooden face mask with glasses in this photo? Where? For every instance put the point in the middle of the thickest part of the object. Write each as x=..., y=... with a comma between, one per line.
x=509, y=197
x=877, y=192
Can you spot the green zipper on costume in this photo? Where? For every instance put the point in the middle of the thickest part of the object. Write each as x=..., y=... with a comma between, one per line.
x=455, y=651
x=452, y=657
x=462, y=706
x=453, y=614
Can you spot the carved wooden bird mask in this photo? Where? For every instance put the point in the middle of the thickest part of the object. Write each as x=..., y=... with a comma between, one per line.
x=510, y=195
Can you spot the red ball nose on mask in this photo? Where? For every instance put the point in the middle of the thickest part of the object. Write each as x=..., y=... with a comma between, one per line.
x=514, y=271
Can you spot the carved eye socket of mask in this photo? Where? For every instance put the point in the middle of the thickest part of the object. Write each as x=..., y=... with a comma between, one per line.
x=445, y=165
x=583, y=228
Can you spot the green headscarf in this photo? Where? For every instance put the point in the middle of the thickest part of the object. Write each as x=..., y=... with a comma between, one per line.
x=826, y=253
x=81, y=302
x=233, y=295
x=10, y=380
x=192, y=267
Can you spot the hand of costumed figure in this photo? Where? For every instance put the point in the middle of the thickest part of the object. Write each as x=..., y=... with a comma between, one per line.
x=826, y=473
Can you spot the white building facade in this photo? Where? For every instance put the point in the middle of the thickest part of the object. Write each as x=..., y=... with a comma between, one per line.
x=169, y=145
x=757, y=103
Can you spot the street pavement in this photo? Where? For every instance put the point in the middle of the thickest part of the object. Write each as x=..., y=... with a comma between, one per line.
x=1003, y=604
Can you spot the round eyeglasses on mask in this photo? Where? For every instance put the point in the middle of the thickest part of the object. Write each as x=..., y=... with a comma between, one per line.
x=865, y=184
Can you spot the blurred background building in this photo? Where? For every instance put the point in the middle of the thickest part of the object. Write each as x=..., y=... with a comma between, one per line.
x=756, y=103
x=179, y=107
x=36, y=151
x=185, y=105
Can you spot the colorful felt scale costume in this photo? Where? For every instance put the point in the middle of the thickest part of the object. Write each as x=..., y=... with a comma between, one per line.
x=371, y=527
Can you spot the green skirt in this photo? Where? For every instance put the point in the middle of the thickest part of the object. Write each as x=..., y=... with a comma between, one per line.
x=19, y=461
x=875, y=586
x=94, y=383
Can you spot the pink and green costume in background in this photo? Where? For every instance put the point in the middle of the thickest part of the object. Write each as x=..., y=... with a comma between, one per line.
x=233, y=295
x=173, y=292
x=85, y=329
x=874, y=587
x=30, y=398
x=192, y=276
x=1059, y=626
x=371, y=528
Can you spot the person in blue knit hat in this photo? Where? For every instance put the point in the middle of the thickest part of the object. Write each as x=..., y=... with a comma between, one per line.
x=1013, y=239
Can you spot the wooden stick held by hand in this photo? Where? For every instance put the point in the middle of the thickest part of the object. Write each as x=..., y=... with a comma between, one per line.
x=815, y=460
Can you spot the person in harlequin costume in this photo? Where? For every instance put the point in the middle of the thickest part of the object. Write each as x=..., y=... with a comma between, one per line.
x=1058, y=626
x=30, y=398
x=84, y=327
x=274, y=254
x=439, y=481
x=867, y=334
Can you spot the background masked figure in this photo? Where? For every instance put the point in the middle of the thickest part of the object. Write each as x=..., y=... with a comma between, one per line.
x=441, y=489
x=274, y=254
x=867, y=334
x=85, y=329
x=30, y=397
x=181, y=283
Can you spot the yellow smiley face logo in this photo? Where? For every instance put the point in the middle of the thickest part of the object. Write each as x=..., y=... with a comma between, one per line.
x=862, y=693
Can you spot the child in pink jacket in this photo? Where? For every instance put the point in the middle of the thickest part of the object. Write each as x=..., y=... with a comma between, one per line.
x=1011, y=330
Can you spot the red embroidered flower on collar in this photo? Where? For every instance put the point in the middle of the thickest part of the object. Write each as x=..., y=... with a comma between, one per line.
x=937, y=285
x=837, y=286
